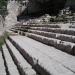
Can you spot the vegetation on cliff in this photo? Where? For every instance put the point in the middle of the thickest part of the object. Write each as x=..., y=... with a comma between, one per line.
x=3, y=7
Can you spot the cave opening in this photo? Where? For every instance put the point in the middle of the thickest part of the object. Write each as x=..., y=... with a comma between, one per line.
x=50, y=7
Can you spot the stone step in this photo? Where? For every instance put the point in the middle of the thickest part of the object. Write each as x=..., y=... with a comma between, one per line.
x=39, y=25
x=2, y=66
x=61, y=45
x=69, y=31
x=21, y=29
x=72, y=26
x=44, y=25
x=13, y=30
x=18, y=31
x=21, y=32
x=59, y=36
x=25, y=27
x=48, y=65
x=24, y=67
x=57, y=41
x=65, y=59
x=10, y=66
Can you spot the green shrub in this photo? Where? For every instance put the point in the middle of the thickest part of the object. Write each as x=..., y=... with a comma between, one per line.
x=1, y=40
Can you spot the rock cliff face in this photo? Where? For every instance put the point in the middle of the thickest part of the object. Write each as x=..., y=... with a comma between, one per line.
x=71, y=3
x=38, y=7
x=11, y=18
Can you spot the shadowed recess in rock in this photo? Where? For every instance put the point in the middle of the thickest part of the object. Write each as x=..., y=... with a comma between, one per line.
x=40, y=7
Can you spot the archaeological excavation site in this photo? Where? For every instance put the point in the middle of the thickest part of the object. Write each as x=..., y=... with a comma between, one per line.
x=37, y=37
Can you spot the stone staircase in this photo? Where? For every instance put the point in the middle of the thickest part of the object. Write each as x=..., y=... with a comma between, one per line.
x=52, y=35
x=39, y=50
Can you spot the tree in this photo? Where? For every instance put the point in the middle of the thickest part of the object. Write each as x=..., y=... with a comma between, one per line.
x=3, y=7
x=3, y=4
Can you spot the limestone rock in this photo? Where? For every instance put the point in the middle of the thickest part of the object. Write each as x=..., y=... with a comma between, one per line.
x=71, y=4
x=13, y=11
x=1, y=25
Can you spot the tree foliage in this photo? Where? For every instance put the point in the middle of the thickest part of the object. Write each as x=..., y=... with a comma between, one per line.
x=3, y=7
x=3, y=4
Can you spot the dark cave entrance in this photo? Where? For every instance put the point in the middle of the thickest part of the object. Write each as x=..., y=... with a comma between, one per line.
x=51, y=7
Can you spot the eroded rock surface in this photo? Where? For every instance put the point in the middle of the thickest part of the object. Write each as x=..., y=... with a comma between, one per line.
x=39, y=7
x=11, y=18
x=1, y=25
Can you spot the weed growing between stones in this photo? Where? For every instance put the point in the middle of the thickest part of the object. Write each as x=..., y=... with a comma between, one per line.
x=1, y=40
x=3, y=37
